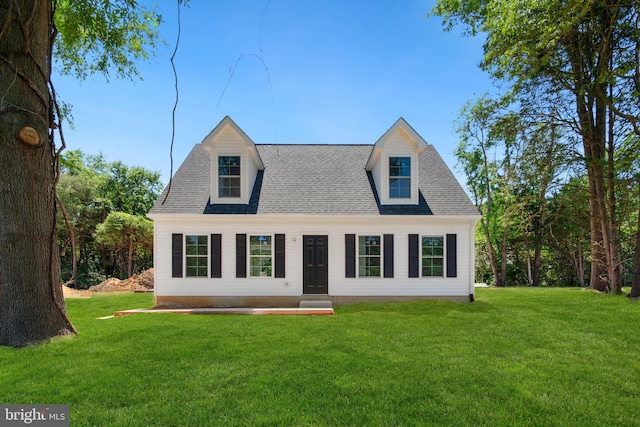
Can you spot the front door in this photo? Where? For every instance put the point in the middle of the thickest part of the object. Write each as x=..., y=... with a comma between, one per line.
x=316, y=266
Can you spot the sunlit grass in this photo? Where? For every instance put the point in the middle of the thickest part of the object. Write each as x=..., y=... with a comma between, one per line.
x=514, y=357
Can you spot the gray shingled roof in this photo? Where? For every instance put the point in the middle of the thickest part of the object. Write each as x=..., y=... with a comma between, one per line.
x=315, y=180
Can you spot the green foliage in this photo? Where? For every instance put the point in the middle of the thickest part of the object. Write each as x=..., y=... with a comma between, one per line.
x=514, y=163
x=536, y=357
x=91, y=189
x=130, y=236
x=104, y=37
x=131, y=189
x=120, y=229
x=572, y=71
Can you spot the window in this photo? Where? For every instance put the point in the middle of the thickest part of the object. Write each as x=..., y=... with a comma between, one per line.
x=399, y=177
x=229, y=176
x=260, y=256
x=196, y=250
x=369, y=251
x=432, y=256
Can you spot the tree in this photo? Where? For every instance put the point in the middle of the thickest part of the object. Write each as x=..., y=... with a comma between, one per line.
x=585, y=49
x=133, y=190
x=90, y=188
x=128, y=234
x=96, y=37
x=483, y=132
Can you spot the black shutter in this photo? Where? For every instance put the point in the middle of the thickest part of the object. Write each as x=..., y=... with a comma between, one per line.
x=414, y=256
x=216, y=256
x=452, y=266
x=388, y=255
x=280, y=256
x=350, y=255
x=241, y=255
x=176, y=255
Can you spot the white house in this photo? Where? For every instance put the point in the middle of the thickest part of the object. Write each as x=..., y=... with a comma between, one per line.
x=252, y=225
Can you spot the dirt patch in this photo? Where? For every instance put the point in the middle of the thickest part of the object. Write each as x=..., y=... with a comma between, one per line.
x=137, y=283
x=75, y=293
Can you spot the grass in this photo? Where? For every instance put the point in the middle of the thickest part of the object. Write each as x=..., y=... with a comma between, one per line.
x=535, y=357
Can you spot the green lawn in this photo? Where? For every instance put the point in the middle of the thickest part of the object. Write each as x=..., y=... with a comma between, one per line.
x=516, y=357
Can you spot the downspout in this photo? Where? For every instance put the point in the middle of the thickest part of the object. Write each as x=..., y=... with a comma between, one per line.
x=472, y=259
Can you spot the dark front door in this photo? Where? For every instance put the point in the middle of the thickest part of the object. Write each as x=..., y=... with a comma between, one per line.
x=316, y=266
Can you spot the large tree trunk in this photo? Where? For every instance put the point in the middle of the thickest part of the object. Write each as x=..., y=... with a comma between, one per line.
x=503, y=258
x=635, y=282
x=31, y=303
x=584, y=50
x=580, y=262
x=490, y=250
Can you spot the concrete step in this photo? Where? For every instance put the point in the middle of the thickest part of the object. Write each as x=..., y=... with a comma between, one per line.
x=316, y=303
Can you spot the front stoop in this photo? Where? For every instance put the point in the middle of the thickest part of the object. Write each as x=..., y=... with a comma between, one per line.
x=316, y=303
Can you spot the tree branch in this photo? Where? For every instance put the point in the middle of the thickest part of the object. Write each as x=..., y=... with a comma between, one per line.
x=27, y=80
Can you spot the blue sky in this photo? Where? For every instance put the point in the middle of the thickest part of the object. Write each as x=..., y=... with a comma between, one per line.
x=341, y=72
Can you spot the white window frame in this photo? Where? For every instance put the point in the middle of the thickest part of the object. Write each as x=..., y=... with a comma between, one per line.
x=385, y=179
x=251, y=256
x=380, y=256
x=196, y=256
x=403, y=177
x=443, y=256
x=239, y=177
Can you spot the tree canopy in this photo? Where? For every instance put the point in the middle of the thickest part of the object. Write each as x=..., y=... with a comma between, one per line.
x=95, y=192
x=573, y=67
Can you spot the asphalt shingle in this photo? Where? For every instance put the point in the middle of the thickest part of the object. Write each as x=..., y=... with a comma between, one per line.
x=314, y=180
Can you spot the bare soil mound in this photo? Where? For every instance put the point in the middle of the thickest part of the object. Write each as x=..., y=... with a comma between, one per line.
x=75, y=293
x=144, y=279
x=137, y=283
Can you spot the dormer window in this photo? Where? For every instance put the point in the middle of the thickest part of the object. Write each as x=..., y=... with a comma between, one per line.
x=399, y=177
x=229, y=182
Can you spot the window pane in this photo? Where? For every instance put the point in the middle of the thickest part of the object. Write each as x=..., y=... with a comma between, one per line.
x=228, y=187
x=432, y=256
x=260, y=267
x=229, y=176
x=399, y=166
x=363, y=269
x=228, y=165
x=399, y=187
x=260, y=249
x=432, y=267
x=196, y=250
x=260, y=245
x=399, y=177
x=369, y=251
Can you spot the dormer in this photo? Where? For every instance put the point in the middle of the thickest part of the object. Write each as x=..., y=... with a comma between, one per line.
x=235, y=163
x=393, y=163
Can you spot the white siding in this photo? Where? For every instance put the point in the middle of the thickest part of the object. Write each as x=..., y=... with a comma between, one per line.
x=294, y=227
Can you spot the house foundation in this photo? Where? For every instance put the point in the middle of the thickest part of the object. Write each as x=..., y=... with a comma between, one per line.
x=286, y=301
